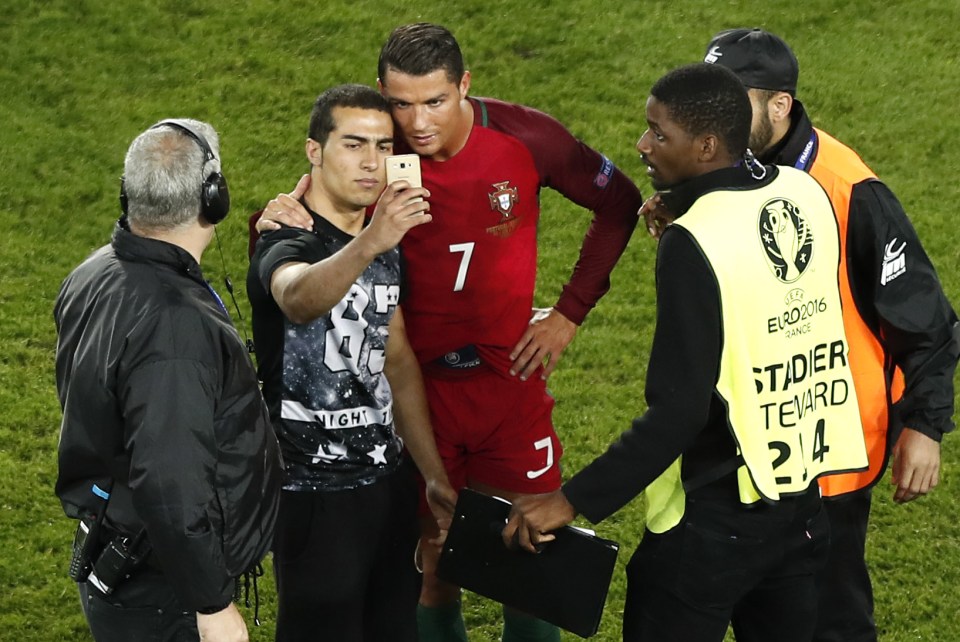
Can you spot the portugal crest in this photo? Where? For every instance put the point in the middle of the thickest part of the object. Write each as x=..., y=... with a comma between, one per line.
x=786, y=237
x=502, y=199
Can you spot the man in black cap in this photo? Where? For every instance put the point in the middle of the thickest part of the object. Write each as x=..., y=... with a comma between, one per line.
x=900, y=326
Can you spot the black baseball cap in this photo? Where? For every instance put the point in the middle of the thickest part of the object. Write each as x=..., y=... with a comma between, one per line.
x=761, y=59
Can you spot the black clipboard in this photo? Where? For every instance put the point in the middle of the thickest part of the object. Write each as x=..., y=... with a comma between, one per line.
x=566, y=584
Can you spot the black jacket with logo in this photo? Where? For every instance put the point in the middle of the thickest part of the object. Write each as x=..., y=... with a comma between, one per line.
x=161, y=406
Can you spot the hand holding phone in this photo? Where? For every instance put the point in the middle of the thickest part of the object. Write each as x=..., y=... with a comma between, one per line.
x=405, y=167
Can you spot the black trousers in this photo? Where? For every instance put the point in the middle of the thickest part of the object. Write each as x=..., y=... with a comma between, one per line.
x=344, y=563
x=725, y=562
x=143, y=608
x=846, y=595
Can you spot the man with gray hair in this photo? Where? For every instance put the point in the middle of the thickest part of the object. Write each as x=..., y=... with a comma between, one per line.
x=166, y=453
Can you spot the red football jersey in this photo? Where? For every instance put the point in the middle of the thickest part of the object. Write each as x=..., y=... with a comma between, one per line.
x=471, y=272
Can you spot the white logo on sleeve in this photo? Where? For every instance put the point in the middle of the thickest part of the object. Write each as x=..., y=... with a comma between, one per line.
x=542, y=444
x=894, y=262
x=713, y=55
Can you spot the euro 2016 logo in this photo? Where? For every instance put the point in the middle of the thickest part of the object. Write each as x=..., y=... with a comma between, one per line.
x=787, y=239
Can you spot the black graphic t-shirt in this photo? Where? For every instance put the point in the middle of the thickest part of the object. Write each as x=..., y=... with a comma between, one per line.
x=323, y=381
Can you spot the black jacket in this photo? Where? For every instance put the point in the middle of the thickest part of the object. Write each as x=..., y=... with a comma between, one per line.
x=161, y=405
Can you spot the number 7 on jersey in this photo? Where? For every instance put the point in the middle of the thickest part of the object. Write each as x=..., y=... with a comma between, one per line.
x=467, y=249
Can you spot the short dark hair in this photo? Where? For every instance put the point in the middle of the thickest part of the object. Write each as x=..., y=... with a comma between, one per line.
x=419, y=49
x=351, y=95
x=704, y=98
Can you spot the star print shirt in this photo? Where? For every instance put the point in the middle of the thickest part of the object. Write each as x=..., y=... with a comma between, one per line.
x=323, y=381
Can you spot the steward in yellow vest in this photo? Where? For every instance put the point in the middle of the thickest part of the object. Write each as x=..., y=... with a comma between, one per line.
x=784, y=371
x=784, y=377
x=899, y=324
x=749, y=391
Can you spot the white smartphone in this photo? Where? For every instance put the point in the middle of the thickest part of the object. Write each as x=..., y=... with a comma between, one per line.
x=404, y=167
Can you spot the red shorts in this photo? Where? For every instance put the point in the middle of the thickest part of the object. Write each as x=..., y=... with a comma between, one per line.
x=495, y=430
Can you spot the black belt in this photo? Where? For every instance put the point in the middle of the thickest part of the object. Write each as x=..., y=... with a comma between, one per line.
x=463, y=358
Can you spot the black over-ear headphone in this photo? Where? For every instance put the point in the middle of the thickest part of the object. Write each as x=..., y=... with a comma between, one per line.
x=214, y=195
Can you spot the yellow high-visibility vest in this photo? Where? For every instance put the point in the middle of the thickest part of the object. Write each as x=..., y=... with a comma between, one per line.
x=784, y=372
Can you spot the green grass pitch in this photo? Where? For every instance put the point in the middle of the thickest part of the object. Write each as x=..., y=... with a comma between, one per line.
x=81, y=78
